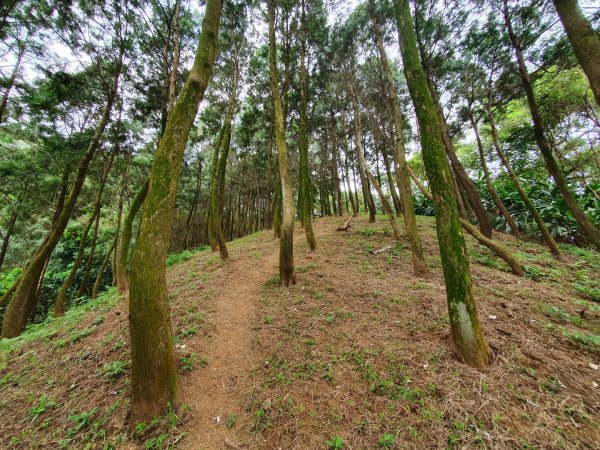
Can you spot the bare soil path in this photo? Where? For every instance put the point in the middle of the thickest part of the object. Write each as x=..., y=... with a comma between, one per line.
x=215, y=393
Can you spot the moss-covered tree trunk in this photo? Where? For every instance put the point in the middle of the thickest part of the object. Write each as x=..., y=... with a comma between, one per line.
x=305, y=190
x=113, y=260
x=60, y=304
x=589, y=230
x=370, y=204
x=387, y=207
x=105, y=261
x=193, y=209
x=83, y=287
x=287, y=275
x=125, y=239
x=218, y=174
x=25, y=294
x=499, y=249
x=87, y=270
x=335, y=159
x=488, y=180
x=406, y=196
x=584, y=40
x=349, y=189
x=471, y=197
x=537, y=217
x=464, y=321
x=392, y=181
x=154, y=379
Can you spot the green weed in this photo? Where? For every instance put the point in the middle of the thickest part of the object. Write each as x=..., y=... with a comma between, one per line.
x=114, y=369
x=335, y=442
x=43, y=404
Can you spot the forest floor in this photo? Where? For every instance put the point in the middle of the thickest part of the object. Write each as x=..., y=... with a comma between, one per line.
x=355, y=355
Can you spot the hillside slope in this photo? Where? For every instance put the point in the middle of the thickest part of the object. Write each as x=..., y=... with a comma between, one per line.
x=356, y=354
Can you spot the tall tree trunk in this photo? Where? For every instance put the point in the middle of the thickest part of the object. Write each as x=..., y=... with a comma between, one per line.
x=384, y=201
x=60, y=202
x=197, y=191
x=218, y=178
x=119, y=224
x=60, y=304
x=537, y=217
x=380, y=132
x=287, y=276
x=583, y=39
x=100, y=275
x=155, y=382
x=353, y=201
x=356, y=200
x=464, y=320
x=406, y=197
x=11, y=82
x=589, y=230
x=24, y=299
x=488, y=180
x=472, y=194
x=85, y=279
x=335, y=167
x=305, y=190
x=125, y=239
x=359, y=151
x=176, y=44
x=276, y=208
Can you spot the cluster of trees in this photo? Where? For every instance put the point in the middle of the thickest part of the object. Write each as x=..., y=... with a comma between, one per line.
x=106, y=165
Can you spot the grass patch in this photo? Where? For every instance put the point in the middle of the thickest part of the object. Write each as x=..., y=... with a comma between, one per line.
x=52, y=326
x=185, y=255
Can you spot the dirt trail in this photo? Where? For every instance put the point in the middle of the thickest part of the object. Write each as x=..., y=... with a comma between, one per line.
x=215, y=392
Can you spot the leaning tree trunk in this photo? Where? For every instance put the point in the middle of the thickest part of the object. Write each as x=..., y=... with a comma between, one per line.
x=287, y=276
x=488, y=180
x=537, y=217
x=583, y=39
x=24, y=299
x=590, y=231
x=60, y=304
x=499, y=249
x=85, y=279
x=464, y=321
x=406, y=196
x=305, y=194
x=154, y=378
